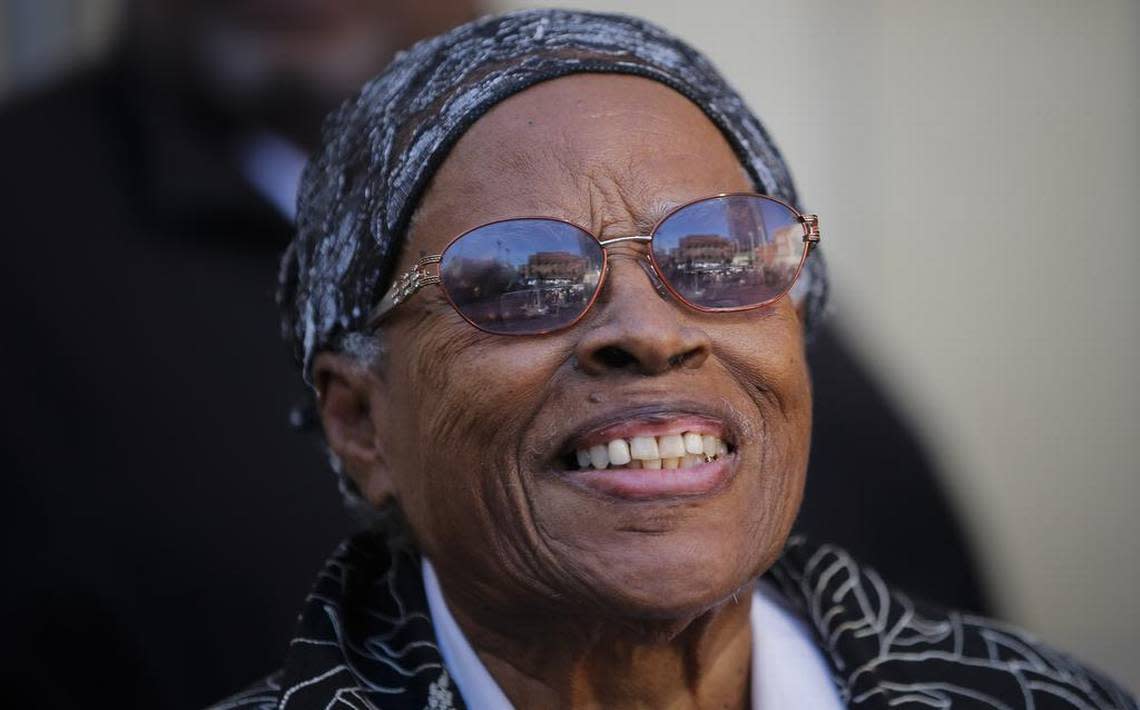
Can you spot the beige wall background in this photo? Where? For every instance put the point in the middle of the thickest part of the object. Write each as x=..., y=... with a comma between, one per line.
x=977, y=168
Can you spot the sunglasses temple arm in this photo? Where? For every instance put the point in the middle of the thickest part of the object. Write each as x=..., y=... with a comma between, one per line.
x=382, y=309
x=404, y=287
x=811, y=224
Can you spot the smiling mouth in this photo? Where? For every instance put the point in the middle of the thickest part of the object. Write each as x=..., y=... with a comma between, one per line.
x=656, y=456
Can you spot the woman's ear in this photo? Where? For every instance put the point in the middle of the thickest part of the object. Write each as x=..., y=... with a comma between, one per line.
x=346, y=391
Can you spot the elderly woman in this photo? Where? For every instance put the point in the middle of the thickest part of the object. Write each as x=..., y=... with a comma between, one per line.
x=551, y=288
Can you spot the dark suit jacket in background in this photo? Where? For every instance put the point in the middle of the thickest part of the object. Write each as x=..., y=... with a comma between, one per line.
x=161, y=518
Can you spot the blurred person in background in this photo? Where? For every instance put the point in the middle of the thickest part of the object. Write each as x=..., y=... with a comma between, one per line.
x=162, y=520
x=155, y=491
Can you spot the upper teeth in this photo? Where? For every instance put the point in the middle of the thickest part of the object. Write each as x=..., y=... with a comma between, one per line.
x=668, y=451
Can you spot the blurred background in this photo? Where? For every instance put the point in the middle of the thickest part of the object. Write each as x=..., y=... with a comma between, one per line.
x=977, y=169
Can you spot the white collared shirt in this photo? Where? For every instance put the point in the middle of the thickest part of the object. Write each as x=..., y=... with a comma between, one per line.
x=788, y=668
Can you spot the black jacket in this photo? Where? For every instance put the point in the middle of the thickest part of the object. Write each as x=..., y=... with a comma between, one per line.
x=365, y=640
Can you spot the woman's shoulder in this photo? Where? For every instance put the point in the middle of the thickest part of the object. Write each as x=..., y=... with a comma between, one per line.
x=888, y=649
x=364, y=638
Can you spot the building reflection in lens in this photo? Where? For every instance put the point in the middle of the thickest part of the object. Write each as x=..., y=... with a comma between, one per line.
x=550, y=288
x=752, y=259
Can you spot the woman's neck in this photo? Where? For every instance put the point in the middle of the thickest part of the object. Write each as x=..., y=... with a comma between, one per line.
x=703, y=662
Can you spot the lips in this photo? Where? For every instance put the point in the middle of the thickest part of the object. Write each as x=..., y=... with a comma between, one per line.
x=651, y=452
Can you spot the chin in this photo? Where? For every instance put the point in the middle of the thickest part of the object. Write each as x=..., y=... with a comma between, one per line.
x=676, y=574
x=668, y=558
x=662, y=584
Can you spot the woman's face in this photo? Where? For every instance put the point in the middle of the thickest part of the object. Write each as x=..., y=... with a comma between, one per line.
x=476, y=433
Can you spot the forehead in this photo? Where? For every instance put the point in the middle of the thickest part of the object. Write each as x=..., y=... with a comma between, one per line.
x=606, y=151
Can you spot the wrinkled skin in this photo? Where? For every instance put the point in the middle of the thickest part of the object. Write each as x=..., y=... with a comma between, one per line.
x=572, y=598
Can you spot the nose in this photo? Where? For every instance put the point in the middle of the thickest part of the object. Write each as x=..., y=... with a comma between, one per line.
x=635, y=330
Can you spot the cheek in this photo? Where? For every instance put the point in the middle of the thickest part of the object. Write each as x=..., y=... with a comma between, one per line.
x=765, y=353
x=766, y=356
x=467, y=404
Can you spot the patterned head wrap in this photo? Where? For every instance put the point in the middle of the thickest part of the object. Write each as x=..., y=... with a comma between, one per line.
x=381, y=148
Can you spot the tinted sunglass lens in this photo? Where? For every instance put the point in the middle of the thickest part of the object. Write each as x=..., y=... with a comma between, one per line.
x=522, y=276
x=730, y=252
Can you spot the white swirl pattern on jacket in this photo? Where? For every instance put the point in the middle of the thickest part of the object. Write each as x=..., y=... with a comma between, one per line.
x=365, y=640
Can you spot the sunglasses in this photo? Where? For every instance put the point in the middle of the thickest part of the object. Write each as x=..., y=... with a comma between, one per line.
x=535, y=275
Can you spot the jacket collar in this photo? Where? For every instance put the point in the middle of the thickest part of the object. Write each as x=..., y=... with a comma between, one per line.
x=365, y=640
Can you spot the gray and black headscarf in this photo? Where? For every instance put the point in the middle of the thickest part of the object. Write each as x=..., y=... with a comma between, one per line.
x=381, y=148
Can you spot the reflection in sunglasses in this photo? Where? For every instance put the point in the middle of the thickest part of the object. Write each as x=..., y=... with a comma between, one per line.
x=536, y=275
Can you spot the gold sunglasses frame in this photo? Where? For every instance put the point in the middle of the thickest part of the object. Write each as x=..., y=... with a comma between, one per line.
x=418, y=276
